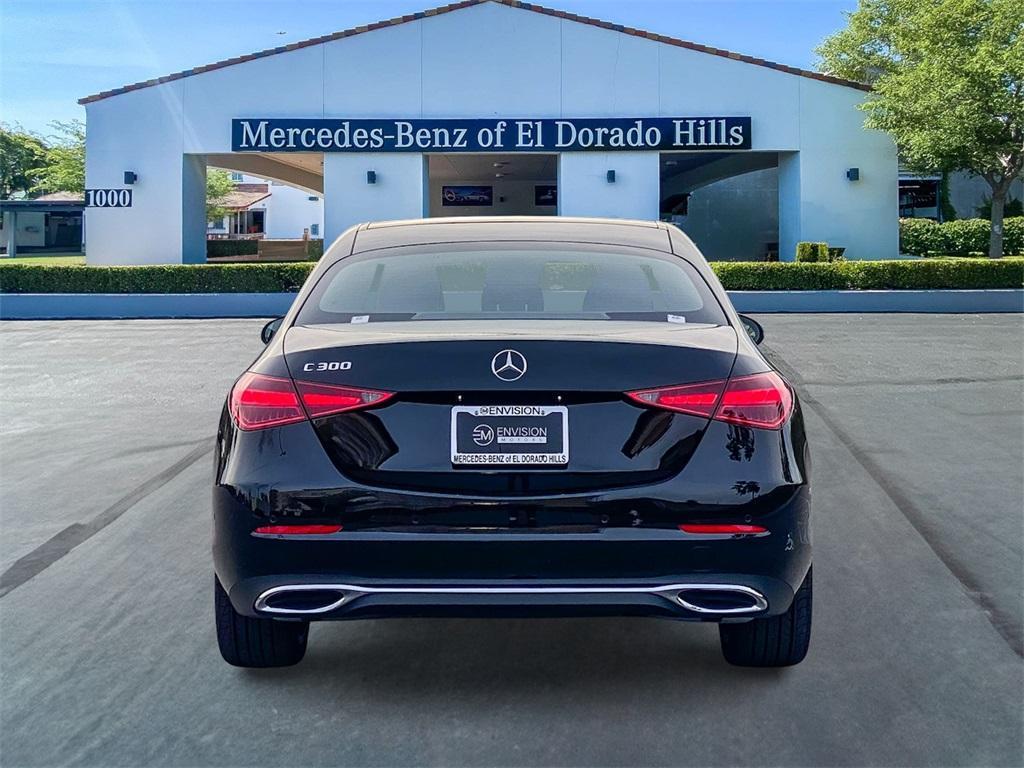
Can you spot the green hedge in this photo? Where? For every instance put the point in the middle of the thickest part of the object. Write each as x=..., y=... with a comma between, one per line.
x=871, y=275
x=268, y=277
x=810, y=253
x=963, y=237
x=232, y=247
x=735, y=276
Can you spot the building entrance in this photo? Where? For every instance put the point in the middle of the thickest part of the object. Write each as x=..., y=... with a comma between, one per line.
x=492, y=184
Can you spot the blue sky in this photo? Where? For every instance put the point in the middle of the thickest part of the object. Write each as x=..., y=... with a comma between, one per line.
x=53, y=52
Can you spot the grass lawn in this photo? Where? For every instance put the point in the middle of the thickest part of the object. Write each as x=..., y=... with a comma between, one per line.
x=55, y=259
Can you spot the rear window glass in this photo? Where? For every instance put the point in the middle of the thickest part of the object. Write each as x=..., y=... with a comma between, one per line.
x=494, y=282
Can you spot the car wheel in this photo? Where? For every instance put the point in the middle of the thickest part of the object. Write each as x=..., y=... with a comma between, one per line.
x=779, y=641
x=246, y=642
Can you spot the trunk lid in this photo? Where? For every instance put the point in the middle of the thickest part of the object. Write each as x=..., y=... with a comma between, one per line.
x=576, y=370
x=564, y=356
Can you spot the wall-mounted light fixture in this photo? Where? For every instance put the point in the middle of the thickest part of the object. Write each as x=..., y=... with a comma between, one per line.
x=610, y=177
x=853, y=174
x=130, y=177
x=371, y=177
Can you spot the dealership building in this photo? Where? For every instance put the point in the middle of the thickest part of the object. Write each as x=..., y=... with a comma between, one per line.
x=498, y=107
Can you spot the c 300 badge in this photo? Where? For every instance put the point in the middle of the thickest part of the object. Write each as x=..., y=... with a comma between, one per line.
x=333, y=365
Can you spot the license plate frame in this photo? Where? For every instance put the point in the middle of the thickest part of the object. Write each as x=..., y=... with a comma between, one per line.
x=511, y=449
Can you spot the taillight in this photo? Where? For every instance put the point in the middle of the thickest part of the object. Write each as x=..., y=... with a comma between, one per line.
x=326, y=399
x=761, y=400
x=695, y=399
x=259, y=402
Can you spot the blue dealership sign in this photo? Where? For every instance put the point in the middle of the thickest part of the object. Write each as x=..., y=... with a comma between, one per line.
x=492, y=135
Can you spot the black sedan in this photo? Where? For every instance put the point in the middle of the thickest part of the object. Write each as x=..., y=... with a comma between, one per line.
x=512, y=417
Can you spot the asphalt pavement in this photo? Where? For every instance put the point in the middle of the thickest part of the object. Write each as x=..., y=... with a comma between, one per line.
x=107, y=648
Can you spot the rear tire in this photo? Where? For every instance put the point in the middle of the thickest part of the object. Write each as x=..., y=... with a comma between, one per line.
x=247, y=642
x=779, y=641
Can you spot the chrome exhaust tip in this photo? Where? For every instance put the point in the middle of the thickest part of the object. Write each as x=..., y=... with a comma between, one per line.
x=721, y=599
x=299, y=600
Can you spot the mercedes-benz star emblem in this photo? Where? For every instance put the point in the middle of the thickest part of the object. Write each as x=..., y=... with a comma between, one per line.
x=508, y=365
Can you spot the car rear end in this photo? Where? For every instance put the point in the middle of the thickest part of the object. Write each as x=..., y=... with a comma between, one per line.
x=516, y=427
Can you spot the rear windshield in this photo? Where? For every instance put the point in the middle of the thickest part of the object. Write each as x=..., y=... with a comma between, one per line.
x=493, y=282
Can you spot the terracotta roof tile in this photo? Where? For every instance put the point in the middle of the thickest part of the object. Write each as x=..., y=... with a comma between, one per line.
x=466, y=4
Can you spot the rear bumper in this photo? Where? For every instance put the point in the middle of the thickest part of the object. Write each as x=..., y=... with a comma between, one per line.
x=697, y=599
x=614, y=571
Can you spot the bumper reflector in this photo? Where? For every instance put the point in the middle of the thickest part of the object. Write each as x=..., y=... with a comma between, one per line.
x=296, y=530
x=719, y=529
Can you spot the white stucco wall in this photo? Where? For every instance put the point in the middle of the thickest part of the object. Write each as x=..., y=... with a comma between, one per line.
x=584, y=189
x=398, y=193
x=139, y=131
x=862, y=215
x=489, y=60
x=290, y=211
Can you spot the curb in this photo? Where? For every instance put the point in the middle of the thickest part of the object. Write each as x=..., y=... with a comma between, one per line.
x=111, y=306
x=952, y=302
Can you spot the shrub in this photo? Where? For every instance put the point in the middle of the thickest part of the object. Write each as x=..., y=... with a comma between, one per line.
x=811, y=252
x=172, y=278
x=918, y=236
x=1013, y=236
x=778, y=276
x=231, y=247
x=270, y=277
x=964, y=237
x=932, y=274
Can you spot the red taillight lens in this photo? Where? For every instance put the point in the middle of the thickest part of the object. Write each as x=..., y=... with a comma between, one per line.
x=296, y=530
x=259, y=401
x=695, y=399
x=762, y=400
x=325, y=399
x=722, y=528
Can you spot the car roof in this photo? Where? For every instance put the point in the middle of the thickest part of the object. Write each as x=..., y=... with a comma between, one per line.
x=464, y=229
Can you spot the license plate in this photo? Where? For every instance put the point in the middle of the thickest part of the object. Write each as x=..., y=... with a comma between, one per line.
x=510, y=434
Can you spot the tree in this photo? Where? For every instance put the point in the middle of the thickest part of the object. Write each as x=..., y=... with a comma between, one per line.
x=218, y=186
x=948, y=79
x=63, y=167
x=20, y=155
